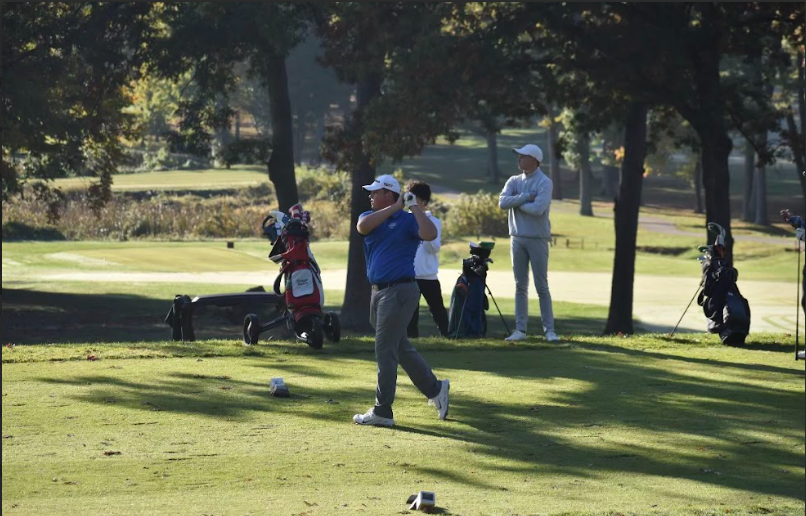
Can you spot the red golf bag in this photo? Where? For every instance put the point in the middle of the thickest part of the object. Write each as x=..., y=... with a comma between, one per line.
x=304, y=295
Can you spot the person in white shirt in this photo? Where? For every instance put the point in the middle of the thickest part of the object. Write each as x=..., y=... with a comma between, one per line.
x=426, y=265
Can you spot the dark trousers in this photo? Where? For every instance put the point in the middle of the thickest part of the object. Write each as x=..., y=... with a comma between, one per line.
x=432, y=292
x=386, y=314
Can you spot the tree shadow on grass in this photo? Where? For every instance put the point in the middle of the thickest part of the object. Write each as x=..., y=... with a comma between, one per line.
x=36, y=317
x=696, y=428
x=596, y=412
x=705, y=361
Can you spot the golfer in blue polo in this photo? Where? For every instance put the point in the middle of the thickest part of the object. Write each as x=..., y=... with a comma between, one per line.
x=391, y=238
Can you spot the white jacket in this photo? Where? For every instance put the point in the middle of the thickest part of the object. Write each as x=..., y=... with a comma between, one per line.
x=426, y=261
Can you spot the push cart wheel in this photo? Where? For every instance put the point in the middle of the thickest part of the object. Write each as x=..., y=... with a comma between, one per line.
x=251, y=329
x=317, y=335
x=332, y=326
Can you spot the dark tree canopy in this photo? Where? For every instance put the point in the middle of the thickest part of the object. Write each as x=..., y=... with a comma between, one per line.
x=65, y=68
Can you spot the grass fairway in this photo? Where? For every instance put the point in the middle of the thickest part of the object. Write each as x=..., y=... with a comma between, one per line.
x=239, y=176
x=644, y=425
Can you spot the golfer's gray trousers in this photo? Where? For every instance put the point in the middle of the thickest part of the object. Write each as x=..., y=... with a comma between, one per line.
x=390, y=311
x=525, y=250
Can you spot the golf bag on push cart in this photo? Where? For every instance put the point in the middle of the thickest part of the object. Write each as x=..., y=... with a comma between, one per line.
x=301, y=277
x=728, y=312
x=467, y=315
x=298, y=309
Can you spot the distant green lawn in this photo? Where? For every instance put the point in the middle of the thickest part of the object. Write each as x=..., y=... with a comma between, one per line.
x=60, y=309
x=643, y=425
x=239, y=176
x=584, y=244
x=462, y=167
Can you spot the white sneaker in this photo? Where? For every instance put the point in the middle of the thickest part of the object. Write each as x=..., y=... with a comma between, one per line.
x=551, y=336
x=441, y=401
x=371, y=419
x=516, y=335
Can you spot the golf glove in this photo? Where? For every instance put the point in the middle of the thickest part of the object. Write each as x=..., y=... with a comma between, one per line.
x=409, y=199
x=800, y=233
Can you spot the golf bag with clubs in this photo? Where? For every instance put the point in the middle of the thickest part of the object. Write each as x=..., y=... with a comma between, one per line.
x=467, y=313
x=728, y=312
x=301, y=279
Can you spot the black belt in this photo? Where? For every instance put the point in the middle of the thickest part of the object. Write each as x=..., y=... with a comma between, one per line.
x=381, y=286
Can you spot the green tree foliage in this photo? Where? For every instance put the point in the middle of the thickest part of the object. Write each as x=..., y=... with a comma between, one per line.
x=212, y=39
x=576, y=142
x=65, y=71
x=364, y=43
x=668, y=55
x=154, y=104
x=421, y=70
x=477, y=214
x=648, y=55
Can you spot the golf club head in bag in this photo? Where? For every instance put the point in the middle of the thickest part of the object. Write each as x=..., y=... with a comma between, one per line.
x=718, y=248
x=707, y=252
x=794, y=220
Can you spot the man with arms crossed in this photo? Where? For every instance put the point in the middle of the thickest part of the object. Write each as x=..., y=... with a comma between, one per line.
x=527, y=196
x=391, y=238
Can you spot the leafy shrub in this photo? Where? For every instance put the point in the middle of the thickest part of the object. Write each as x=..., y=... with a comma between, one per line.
x=163, y=215
x=329, y=220
x=323, y=184
x=249, y=151
x=477, y=214
x=20, y=231
x=160, y=158
x=126, y=217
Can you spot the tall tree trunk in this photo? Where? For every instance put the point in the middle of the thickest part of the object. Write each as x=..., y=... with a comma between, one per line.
x=320, y=134
x=303, y=137
x=760, y=188
x=626, y=208
x=798, y=147
x=748, y=206
x=554, y=159
x=281, y=163
x=709, y=122
x=221, y=137
x=585, y=176
x=237, y=125
x=716, y=147
x=609, y=184
x=493, y=173
x=795, y=137
x=698, y=186
x=796, y=143
x=299, y=135
x=355, y=309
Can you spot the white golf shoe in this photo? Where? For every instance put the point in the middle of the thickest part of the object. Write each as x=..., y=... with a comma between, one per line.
x=441, y=401
x=516, y=335
x=371, y=419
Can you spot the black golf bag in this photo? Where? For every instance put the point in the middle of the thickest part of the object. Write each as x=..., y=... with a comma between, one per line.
x=728, y=312
x=469, y=303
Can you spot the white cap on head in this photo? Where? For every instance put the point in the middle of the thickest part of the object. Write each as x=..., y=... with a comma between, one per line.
x=530, y=150
x=384, y=181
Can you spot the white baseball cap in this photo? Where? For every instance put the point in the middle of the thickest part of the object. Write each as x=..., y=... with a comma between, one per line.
x=384, y=181
x=530, y=150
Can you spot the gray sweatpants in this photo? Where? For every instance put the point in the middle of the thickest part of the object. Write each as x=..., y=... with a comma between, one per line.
x=523, y=252
x=390, y=311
